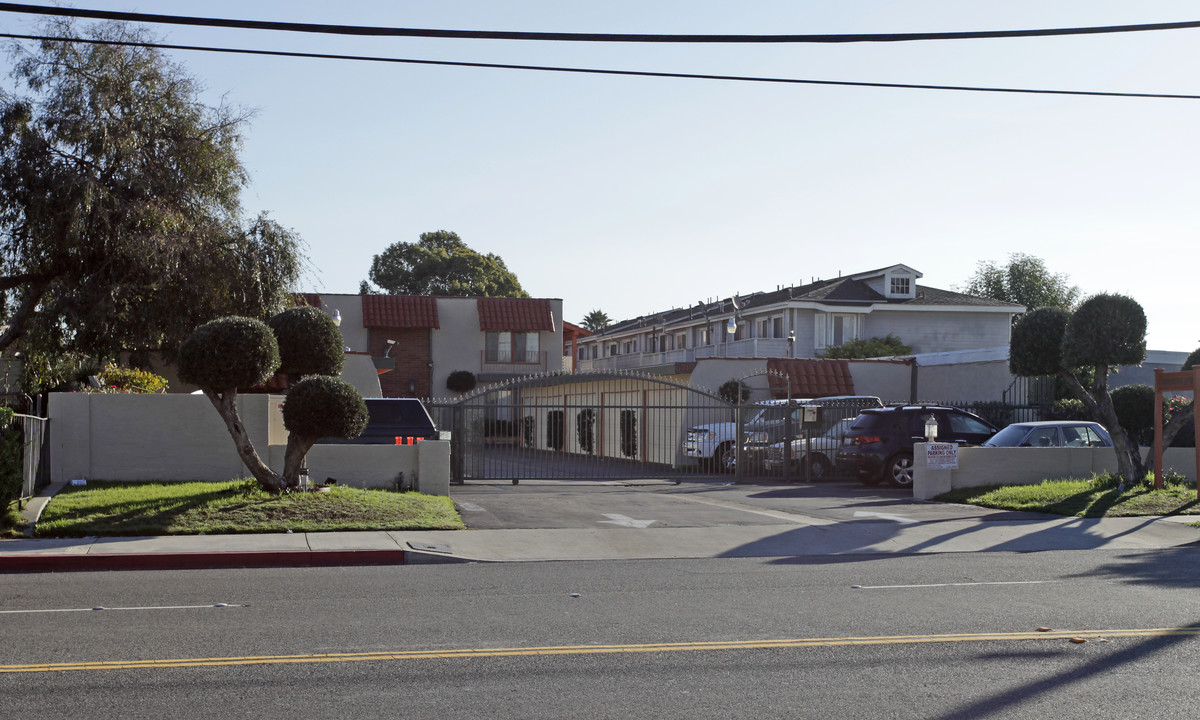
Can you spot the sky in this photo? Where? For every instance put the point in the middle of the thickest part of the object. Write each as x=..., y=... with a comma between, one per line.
x=636, y=195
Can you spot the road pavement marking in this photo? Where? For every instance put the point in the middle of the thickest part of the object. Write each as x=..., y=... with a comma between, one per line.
x=959, y=584
x=470, y=653
x=626, y=521
x=102, y=607
x=777, y=514
x=470, y=507
x=904, y=520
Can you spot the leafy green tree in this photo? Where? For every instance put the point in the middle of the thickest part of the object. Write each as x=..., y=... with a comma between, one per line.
x=1192, y=360
x=318, y=406
x=1024, y=280
x=1134, y=405
x=734, y=391
x=221, y=357
x=888, y=346
x=227, y=354
x=1081, y=348
x=120, y=215
x=596, y=320
x=441, y=264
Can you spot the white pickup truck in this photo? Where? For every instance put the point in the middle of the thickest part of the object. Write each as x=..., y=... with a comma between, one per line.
x=715, y=444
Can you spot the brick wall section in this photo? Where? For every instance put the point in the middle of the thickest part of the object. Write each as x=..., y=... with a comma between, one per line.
x=413, y=355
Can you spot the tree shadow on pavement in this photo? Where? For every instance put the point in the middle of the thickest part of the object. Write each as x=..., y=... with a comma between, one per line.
x=1003, y=702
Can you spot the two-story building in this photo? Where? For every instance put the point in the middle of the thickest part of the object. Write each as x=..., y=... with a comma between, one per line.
x=804, y=322
x=415, y=342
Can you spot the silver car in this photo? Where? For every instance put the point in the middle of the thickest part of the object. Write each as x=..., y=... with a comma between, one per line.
x=1052, y=433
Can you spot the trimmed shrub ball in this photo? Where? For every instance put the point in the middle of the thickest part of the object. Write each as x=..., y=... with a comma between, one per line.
x=229, y=353
x=322, y=406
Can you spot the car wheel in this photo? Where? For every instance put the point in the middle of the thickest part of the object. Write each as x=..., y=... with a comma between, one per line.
x=819, y=471
x=899, y=470
x=726, y=458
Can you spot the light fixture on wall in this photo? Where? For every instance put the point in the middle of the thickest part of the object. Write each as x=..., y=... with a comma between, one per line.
x=337, y=317
x=390, y=344
x=930, y=427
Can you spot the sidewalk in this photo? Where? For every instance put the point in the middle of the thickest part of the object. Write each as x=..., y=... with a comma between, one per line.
x=785, y=535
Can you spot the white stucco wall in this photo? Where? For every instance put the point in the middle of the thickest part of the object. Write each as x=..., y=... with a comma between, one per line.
x=181, y=438
x=980, y=466
x=350, y=306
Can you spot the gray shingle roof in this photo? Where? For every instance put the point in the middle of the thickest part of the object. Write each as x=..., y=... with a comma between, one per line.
x=842, y=291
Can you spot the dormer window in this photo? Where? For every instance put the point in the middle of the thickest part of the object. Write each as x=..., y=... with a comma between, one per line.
x=901, y=286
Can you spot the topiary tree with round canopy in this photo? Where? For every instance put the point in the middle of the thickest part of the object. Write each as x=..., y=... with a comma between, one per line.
x=1081, y=348
x=1134, y=405
x=222, y=356
x=320, y=405
x=309, y=342
x=235, y=352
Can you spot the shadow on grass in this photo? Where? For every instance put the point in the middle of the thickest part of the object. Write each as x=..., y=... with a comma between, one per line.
x=128, y=517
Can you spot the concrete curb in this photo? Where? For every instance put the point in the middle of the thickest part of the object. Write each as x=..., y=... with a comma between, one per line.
x=32, y=562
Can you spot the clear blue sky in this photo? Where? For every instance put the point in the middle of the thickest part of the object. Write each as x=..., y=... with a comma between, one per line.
x=635, y=195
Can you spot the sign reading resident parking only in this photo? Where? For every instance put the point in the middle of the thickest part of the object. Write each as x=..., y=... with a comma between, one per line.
x=941, y=456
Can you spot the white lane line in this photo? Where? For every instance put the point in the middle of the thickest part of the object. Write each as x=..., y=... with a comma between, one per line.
x=101, y=607
x=777, y=514
x=470, y=507
x=902, y=519
x=626, y=521
x=961, y=584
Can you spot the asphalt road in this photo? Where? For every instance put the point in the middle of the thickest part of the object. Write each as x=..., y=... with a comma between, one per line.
x=899, y=636
x=498, y=505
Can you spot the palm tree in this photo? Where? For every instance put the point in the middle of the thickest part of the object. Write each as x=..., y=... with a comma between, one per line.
x=596, y=320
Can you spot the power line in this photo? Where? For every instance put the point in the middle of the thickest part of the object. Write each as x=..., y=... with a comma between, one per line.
x=369, y=31
x=597, y=71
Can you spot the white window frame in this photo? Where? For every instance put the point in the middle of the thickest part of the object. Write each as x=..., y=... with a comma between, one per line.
x=825, y=330
x=505, y=347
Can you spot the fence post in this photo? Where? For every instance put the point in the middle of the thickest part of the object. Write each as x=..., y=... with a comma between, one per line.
x=456, y=444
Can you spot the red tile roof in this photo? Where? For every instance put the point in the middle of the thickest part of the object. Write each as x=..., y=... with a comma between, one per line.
x=515, y=314
x=810, y=378
x=399, y=311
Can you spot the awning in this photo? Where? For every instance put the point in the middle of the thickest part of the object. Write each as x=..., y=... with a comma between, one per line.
x=399, y=311
x=810, y=378
x=515, y=314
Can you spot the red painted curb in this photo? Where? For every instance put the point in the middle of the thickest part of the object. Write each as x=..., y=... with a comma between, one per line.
x=28, y=563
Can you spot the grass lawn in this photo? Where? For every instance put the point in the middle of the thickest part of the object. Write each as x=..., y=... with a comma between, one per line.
x=1099, y=496
x=194, y=508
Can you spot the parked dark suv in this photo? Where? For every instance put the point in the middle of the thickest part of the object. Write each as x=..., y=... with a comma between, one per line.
x=879, y=444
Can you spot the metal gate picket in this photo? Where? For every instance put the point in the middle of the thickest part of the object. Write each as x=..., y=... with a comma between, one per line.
x=607, y=425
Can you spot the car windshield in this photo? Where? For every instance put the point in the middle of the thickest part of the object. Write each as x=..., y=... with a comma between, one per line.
x=1010, y=436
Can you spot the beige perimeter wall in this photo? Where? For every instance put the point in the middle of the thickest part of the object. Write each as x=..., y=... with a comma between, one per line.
x=981, y=466
x=181, y=437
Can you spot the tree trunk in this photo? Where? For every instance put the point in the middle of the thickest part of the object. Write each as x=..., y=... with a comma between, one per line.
x=1170, y=430
x=1130, y=466
x=293, y=458
x=226, y=405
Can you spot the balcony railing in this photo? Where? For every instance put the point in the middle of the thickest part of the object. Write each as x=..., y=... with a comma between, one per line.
x=752, y=348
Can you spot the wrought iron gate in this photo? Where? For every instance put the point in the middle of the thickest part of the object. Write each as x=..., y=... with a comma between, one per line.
x=604, y=425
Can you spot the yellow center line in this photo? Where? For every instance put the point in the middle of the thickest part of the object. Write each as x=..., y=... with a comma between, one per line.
x=588, y=650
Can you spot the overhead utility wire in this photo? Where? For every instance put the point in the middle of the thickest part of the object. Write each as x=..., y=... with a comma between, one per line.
x=575, y=37
x=595, y=71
